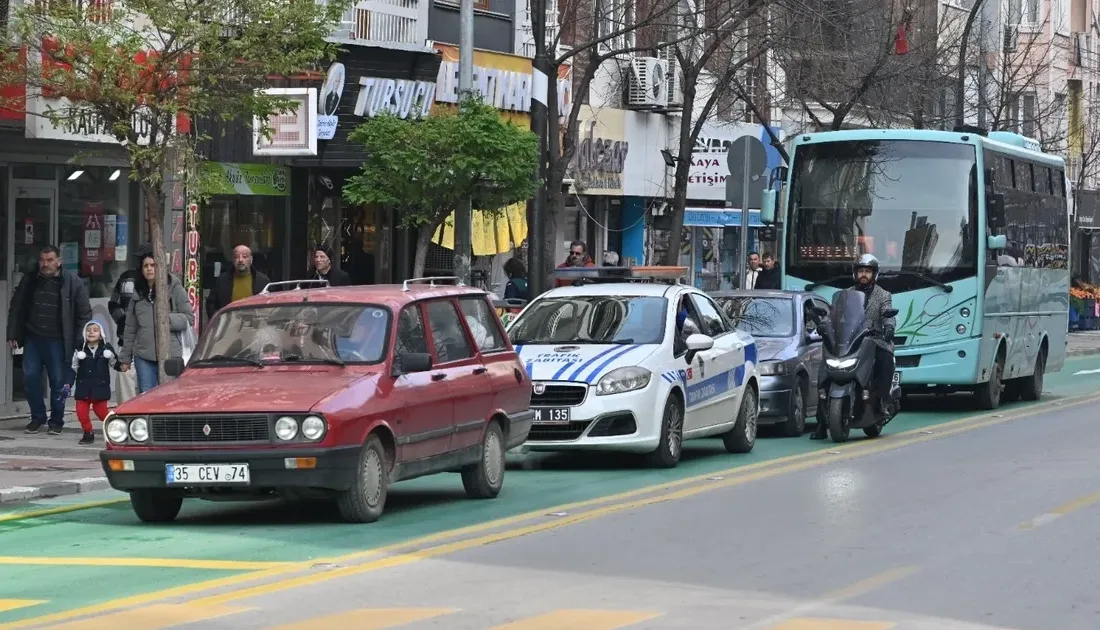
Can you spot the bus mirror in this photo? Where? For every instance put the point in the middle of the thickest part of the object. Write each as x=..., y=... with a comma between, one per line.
x=996, y=242
x=767, y=207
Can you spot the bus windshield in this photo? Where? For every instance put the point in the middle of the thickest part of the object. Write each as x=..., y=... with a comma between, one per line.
x=912, y=204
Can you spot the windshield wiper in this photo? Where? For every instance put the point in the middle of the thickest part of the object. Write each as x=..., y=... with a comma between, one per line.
x=621, y=341
x=221, y=358
x=947, y=288
x=290, y=358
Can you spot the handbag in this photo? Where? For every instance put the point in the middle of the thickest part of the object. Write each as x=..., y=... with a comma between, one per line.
x=188, y=339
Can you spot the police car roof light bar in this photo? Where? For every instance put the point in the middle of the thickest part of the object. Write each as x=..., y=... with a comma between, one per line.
x=431, y=280
x=589, y=275
x=322, y=283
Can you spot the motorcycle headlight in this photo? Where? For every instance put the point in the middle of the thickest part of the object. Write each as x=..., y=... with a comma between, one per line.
x=139, y=429
x=840, y=364
x=286, y=428
x=313, y=428
x=624, y=379
x=771, y=368
x=117, y=430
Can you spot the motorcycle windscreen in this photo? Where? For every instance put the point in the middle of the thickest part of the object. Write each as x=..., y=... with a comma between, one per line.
x=848, y=318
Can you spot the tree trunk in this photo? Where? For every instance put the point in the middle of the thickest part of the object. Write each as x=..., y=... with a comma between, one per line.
x=423, y=240
x=680, y=177
x=154, y=210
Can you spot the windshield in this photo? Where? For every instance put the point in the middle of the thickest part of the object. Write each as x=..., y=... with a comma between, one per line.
x=847, y=318
x=313, y=333
x=760, y=317
x=592, y=319
x=912, y=204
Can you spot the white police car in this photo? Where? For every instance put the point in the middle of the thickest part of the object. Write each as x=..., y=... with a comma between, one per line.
x=616, y=367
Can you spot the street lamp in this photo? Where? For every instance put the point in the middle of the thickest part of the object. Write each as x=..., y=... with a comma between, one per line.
x=960, y=86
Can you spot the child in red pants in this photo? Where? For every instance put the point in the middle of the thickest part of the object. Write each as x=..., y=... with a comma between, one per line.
x=92, y=369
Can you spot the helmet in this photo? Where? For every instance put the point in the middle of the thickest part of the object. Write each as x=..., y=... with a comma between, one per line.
x=868, y=261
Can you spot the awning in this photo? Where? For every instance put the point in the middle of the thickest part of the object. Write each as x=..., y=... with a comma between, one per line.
x=718, y=217
x=491, y=233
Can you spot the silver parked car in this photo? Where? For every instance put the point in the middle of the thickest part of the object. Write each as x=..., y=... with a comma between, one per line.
x=788, y=350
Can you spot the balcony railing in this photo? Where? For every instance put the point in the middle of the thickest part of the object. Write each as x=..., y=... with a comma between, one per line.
x=386, y=22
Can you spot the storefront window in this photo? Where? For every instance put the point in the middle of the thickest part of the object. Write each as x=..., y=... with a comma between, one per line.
x=93, y=225
x=258, y=221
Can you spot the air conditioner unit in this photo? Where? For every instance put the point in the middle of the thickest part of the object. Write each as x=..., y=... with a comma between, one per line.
x=1011, y=37
x=667, y=52
x=648, y=83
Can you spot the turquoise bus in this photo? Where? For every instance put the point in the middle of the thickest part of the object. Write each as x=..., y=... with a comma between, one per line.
x=972, y=232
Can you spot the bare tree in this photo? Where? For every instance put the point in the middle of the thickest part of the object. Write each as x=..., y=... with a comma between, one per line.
x=868, y=62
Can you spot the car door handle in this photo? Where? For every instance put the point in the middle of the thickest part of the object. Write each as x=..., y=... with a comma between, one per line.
x=439, y=376
x=481, y=370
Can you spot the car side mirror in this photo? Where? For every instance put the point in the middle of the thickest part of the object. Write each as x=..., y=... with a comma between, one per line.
x=996, y=242
x=767, y=207
x=411, y=362
x=890, y=312
x=174, y=367
x=696, y=343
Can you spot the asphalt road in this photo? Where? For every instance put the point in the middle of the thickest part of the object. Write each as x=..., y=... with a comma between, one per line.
x=989, y=528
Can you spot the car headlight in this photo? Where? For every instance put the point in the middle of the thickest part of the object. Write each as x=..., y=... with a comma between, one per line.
x=624, y=379
x=286, y=428
x=771, y=368
x=313, y=428
x=840, y=364
x=139, y=429
x=117, y=430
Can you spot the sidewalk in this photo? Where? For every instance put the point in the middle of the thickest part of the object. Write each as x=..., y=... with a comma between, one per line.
x=41, y=466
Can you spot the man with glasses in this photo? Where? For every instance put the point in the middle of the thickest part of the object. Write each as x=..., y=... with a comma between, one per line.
x=578, y=257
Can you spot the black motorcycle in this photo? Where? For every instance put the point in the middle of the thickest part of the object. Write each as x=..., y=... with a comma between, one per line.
x=848, y=396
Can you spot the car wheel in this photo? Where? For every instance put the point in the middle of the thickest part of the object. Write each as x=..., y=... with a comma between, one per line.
x=742, y=437
x=156, y=506
x=667, y=454
x=364, y=501
x=795, y=425
x=484, y=479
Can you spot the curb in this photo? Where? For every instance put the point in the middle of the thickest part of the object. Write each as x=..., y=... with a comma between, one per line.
x=19, y=494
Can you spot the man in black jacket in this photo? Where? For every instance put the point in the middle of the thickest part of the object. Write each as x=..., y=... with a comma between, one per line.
x=323, y=269
x=237, y=283
x=46, y=317
x=768, y=278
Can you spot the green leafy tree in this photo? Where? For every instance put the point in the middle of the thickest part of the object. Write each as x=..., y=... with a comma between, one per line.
x=425, y=168
x=133, y=69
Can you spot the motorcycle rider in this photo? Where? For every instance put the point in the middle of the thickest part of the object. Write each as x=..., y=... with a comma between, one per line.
x=877, y=301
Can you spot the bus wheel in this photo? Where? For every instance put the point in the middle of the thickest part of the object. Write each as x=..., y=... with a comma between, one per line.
x=988, y=394
x=1031, y=387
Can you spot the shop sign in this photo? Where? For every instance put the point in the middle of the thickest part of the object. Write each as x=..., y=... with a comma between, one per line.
x=76, y=123
x=191, y=279
x=503, y=80
x=223, y=178
x=598, y=162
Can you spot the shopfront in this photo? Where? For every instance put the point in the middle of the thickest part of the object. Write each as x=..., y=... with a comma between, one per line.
x=87, y=212
x=247, y=204
x=593, y=210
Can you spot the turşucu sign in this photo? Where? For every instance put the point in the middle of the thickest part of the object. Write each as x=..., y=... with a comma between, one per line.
x=598, y=163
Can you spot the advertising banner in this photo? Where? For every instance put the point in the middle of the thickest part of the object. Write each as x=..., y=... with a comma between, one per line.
x=225, y=178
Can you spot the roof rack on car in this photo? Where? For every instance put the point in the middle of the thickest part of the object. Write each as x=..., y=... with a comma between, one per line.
x=591, y=275
x=320, y=282
x=431, y=280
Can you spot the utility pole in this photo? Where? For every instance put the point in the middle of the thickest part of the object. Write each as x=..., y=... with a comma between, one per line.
x=464, y=212
x=541, y=69
x=960, y=87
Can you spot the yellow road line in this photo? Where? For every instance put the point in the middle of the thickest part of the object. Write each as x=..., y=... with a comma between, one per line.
x=1062, y=510
x=61, y=509
x=14, y=604
x=368, y=619
x=165, y=563
x=870, y=584
x=808, y=623
x=587, y=619
x=772, y=468
x=861, y=587
x=152, y=617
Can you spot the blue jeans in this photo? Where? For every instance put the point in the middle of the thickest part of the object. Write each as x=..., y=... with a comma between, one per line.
x=148, y=374
x=39, y=352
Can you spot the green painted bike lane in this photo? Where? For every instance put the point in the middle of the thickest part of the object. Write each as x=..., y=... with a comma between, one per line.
x=276, y=532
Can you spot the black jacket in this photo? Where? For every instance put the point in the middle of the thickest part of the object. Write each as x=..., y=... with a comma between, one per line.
x=120, y=299
x=336, y=277
x=93, y=372
x=768, y=279
x=222, y=294
x=76, y=309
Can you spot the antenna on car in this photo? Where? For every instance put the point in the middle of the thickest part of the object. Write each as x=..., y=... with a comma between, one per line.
x=431, y=280
x=297, y=286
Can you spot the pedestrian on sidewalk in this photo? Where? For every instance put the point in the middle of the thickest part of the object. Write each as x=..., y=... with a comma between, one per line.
x=140, y=342
x=92, y=366
x=237, y=283
x=46, y=317
x=119, y=302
